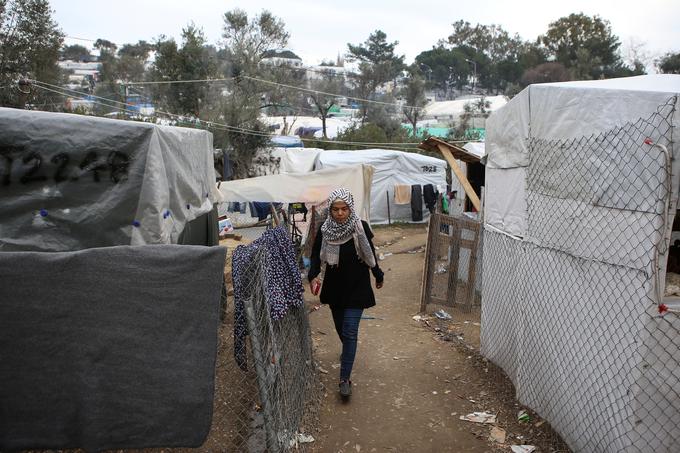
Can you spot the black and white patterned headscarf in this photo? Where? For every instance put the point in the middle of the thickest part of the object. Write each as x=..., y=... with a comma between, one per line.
x=335, y=234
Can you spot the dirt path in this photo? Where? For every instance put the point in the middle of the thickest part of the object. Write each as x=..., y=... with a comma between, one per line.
x=409, y=387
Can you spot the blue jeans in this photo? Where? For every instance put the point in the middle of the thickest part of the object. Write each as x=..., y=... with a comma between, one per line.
x=346, y=322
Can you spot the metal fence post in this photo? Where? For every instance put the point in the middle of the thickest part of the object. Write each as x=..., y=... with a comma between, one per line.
x=260, y=370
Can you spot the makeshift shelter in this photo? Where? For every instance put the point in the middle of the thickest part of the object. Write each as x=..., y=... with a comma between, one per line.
x=392, y=168
x=581, y=192
x=94, y=285
x=467, y=173
x=448, y=111
x=312, y=187
x=296, y=160
x=287, y=141
x=72, y=182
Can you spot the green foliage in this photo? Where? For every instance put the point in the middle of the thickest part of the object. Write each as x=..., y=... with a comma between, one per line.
x=103, y=44
x=277, y=53
x=30, y=41
x=444, y=67
x=191, y=61
x=585, y=45
x=493, y=50
x=246, y=42
x=545, y=72
x=378, y=64
x=388, y=132
x=413, y=94
x=670, y=63
x=328, y=83
x=76, y=52
x=130, y=65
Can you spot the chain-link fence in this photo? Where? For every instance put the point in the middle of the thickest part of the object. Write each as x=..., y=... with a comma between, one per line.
x=573, y=311
x=452, y=276
x=272, y=369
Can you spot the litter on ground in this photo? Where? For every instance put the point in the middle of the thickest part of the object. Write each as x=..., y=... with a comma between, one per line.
x=479, y=417
x=522, y=448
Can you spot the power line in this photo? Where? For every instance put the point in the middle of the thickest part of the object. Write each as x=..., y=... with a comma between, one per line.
x=83, y=95
x=169, y=82
x=269, y=82
x=307, y=90
x=81, y=39
x=224, y=127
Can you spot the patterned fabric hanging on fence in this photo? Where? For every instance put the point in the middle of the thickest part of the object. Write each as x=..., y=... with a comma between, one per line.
x=282, y=282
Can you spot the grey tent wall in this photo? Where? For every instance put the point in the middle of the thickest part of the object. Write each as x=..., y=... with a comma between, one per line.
x=201, y=231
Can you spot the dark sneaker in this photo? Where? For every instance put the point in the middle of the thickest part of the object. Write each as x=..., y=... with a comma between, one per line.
x=345, y=389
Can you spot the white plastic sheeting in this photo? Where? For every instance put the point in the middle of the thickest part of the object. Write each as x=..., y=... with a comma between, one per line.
x=313, y=187
x=296, y=160
x=557, y=111
x=604, y=375
x=72, y=182
x=452, y=110
x=573, y=249
x=476, y=148
x=391, y=168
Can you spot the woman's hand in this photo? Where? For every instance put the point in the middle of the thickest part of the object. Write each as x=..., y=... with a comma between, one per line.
x=315, y=285
x=378, y=285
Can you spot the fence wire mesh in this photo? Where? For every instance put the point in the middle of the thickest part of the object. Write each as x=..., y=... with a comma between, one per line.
x=573, y=312
x=452, y=274
x=274, y=369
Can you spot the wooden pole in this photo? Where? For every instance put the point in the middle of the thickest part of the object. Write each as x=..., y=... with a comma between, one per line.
x=469, y=191
x=275, y=216
x=389, y=220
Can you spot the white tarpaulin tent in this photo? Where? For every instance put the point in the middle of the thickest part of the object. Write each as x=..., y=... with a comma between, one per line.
x=312, y=187
x=73, y=182
x=296, y=160
x=581, y=190
x=391, y=168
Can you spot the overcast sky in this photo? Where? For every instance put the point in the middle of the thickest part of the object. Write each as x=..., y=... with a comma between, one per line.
x=321, y=29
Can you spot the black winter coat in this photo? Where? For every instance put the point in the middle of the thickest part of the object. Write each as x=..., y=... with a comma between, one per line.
x=348, y=284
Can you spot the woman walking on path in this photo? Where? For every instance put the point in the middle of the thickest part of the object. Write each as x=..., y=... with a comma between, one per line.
x=341, y=257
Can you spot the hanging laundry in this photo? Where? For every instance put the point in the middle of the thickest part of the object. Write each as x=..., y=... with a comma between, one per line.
x=227, y=167
x=261, y=208
x=430, y=197
x=283, y=283
x=416, y=203
x=402, y=194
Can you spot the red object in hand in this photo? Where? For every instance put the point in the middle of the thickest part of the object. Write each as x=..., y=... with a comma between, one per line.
x=663, y=308
x=316, y=286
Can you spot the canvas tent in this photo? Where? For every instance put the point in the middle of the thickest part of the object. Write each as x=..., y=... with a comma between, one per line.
x=312, y=187
x=581, y=191
x=93, y=283
x=73, y=182
x=296, y=160
x=391, y=168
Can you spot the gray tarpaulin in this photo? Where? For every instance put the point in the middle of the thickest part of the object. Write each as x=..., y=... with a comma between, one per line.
x=108, y=348
x=71, y=182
